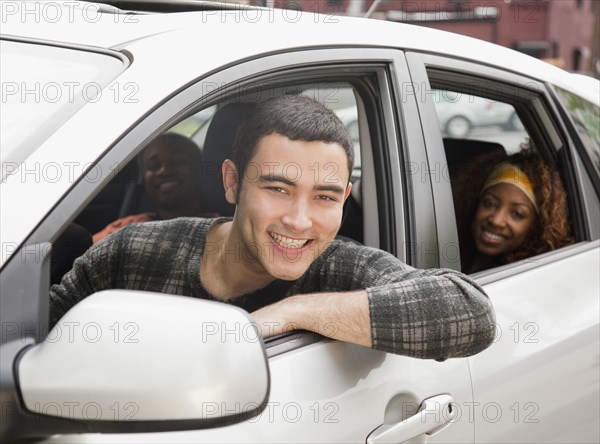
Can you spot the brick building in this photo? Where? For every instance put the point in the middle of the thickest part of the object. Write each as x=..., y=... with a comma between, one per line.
x=564, y=32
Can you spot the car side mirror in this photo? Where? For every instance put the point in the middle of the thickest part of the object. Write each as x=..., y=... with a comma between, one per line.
x=132, y=361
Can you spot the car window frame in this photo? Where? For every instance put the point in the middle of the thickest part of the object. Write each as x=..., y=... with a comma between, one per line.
x=546, y=115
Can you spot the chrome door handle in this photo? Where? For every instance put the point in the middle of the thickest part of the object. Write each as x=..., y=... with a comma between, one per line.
x=434, y=414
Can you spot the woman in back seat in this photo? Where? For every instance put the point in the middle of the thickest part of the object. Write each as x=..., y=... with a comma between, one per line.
x=514, y=209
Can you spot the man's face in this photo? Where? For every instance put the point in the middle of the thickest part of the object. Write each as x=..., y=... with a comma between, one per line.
x=169, y=175
x=290, y=205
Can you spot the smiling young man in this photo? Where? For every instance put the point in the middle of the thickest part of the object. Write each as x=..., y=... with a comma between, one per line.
x=278, y=257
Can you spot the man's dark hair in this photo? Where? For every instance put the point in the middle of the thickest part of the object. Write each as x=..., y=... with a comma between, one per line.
x=295, y=117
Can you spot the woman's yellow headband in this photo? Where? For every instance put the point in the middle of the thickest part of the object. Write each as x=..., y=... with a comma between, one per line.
x=508, y=173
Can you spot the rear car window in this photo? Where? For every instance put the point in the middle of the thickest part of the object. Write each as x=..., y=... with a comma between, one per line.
x=471, y=117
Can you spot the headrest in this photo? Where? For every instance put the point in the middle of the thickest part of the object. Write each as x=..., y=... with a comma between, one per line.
x=218, y=146
x=463, y=151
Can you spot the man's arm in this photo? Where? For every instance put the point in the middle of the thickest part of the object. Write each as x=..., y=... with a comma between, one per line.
x=93, y=271
x=341, y=316
x=428, y=314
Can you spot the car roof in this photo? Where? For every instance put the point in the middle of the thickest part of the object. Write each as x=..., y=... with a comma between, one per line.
x=104, y=26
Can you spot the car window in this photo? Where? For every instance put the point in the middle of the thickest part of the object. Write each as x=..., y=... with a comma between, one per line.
x=213, y=127
x=462, y=115
x=341, y=99
x=586, y=117
x=211, y=130
x=498, y=216
x=195, y=127
x=215, y=137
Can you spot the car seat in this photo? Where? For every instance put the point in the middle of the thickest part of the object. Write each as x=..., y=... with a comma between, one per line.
x=352, y=220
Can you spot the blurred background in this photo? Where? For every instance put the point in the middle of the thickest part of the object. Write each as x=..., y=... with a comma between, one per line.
x=565, y=33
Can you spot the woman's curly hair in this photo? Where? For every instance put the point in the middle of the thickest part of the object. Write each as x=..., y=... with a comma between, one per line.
x=552, y=228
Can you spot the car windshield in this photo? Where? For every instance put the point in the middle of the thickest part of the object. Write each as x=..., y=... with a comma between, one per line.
x=42, y=86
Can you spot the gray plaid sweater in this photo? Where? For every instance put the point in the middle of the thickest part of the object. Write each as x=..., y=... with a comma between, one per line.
x=434, y=313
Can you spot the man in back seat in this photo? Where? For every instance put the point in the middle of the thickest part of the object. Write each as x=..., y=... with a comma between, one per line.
x=171, y=166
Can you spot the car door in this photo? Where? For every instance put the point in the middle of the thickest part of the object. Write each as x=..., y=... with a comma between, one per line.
x=323, y=390
x=327, y=391
x=539, y=381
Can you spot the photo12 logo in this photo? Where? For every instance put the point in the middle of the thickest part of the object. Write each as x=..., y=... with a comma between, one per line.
x=292, y=12
x=72, y=332
x=67, y=92
x=62, y=12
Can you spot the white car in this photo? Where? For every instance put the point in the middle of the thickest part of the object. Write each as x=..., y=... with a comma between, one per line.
x=86, y=86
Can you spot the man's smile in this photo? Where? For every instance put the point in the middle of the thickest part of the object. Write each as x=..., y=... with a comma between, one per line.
x=167, y=185
x=287, y=242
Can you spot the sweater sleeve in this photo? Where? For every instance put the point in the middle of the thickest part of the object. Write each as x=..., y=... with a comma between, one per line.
x=428, y=314
x=94, y=271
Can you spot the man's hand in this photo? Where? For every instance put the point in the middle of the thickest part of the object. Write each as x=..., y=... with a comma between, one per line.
x=341, y=316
